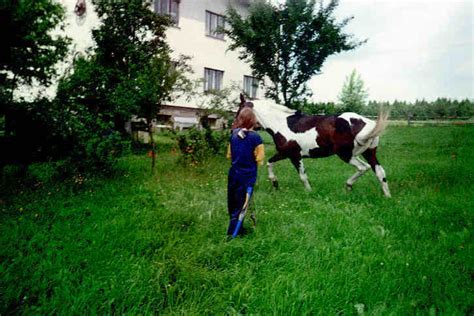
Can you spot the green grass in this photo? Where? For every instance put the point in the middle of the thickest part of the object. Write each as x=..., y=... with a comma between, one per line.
x=143, y=244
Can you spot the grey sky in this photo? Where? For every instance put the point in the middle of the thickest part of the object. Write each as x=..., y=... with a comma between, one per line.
x=416, y=49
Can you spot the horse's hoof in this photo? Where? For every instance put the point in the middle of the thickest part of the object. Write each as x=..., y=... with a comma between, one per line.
x=348, y=187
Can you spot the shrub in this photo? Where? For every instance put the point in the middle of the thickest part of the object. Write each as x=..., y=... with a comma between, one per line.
x=197, y=145
x=97, y=145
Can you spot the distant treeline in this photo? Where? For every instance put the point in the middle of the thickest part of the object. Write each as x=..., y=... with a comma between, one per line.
x=441, y=108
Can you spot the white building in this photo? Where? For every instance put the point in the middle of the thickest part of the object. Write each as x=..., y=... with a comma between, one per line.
x=194, y=35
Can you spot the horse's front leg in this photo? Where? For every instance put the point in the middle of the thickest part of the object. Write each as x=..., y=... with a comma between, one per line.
x=298, y=163
x=271, y=174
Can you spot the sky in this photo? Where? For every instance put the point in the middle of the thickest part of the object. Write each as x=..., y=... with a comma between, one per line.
x=419, y=49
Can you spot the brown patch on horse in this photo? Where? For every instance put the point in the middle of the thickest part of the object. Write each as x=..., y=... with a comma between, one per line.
x=300, y=123
x=326, y=128
x=343, y=126
x=356, y=125
x=287, y=148
x=343, y=139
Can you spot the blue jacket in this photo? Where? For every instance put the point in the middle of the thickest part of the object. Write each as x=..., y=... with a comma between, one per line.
x=246, y=152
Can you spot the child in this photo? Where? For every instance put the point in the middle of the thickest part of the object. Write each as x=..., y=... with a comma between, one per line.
x=246, y=152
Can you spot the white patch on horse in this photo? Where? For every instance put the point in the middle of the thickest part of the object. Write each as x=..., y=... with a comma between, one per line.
x=271, y=175
x=274, y=116
x=361, y=140
x=303, y=176
x=380, y=172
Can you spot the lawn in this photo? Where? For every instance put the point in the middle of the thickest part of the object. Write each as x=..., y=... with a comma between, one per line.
x=142, y=244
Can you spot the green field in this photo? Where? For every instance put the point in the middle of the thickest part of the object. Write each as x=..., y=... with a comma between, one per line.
x=143, y=244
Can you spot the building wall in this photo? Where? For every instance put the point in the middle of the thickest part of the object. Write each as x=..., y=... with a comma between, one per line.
x=189, y=38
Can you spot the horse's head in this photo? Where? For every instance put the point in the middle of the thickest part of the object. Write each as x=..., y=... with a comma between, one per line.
x=243, y=104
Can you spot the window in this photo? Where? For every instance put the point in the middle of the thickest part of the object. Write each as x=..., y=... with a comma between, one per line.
x=213, y=23
x=250, y=86
x=169, y=7
x=212, y=79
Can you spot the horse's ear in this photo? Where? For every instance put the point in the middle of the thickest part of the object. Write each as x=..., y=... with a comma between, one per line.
x=242, y=98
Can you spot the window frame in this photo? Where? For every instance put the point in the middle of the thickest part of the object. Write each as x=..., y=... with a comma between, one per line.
x=212, y=23
x=211, y=73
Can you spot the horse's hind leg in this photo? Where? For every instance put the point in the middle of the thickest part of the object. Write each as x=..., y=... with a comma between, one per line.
x=298, y=163
x=271, y=175
x=370, y=156
x=362, y=168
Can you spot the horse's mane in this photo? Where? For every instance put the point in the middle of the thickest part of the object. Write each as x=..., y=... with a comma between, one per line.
x=272, y=105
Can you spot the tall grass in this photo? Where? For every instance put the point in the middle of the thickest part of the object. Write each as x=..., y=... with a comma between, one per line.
x=141, y=244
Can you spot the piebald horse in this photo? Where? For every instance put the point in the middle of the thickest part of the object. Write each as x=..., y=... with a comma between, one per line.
x=297, y=136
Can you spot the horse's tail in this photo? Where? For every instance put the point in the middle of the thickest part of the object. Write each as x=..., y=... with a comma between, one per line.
x=380, y=125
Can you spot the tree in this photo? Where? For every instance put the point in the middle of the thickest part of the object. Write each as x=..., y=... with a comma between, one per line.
x=129, y=38
x=317, y=108
x=288, y=44
x=465, y=108
x=129, y=72
x=157, y=83
x=28, y=55
x=353, y=97
x=29, y=52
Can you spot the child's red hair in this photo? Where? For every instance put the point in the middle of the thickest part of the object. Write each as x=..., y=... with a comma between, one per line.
x=245, y=119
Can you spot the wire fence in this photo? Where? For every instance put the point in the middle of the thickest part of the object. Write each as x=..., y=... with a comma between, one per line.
x=420, y=121
x=399, y=122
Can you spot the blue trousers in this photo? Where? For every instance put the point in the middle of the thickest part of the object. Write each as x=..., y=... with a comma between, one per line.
x=236, y=194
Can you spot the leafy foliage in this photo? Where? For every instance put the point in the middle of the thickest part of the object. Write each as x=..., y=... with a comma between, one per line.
x=441, y=108
x=217, y=102
x=128, y=73
x=96, y=142
x=29, y=51
x=197, y=145
x=317, y=107
x=130, y=40
x=353, y=97
x=28, y=55
x=34, y=133
x=288, y=44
